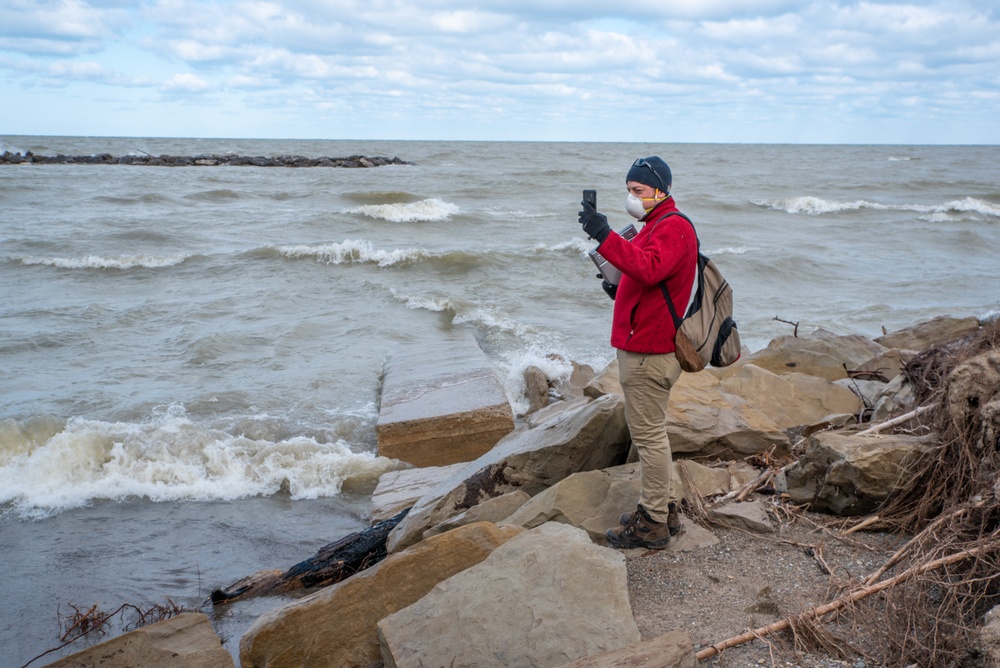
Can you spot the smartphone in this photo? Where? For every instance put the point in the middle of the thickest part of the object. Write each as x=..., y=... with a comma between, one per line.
x=590, y=196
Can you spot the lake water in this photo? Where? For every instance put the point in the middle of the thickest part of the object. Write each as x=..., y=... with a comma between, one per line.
x=190, y=356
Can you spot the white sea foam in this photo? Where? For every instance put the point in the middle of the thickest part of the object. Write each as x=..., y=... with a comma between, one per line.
x=731, y=250
x=353, y=250
x=169, y=458
x=577, y=245
x=424, y=210
x=815, y=206
x=122, y=262
x=435, y=305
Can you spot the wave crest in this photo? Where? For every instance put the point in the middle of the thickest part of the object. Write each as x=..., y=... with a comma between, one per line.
x=815, y=206
x=411, y=212
x=168, y=459
x=353, y=250
x=123, y=262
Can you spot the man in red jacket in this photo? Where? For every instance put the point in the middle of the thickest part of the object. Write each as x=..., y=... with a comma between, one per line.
x=665, y=251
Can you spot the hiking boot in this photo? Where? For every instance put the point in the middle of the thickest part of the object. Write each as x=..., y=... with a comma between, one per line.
x=673, y=519
x=639, y=531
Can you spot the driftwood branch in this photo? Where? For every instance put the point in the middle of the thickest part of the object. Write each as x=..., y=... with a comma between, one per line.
x=331, y=564
x=795, y=332
x=856, y=595
x=888, y=424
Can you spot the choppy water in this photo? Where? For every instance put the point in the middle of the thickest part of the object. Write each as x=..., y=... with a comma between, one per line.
x=190, y=357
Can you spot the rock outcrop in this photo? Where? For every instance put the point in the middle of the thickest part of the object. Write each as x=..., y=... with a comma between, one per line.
x=593, y=437
x=335, y=627
x=850, y=474
x=544, y=598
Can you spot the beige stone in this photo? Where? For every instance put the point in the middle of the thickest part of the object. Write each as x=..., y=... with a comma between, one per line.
x=543, y=598
x=441, y=403
x=822, y=354
x=398, y=490
x=849, y=474
x=749, y=515
x=592, y=437
x=497, y=509
x=750, y=411
x=928, y=334
x=606, y=382
x=536, y=389
x=183, y=641
x=335, y=627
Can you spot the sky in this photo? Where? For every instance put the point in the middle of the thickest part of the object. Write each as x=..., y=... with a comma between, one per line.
x=746, y=71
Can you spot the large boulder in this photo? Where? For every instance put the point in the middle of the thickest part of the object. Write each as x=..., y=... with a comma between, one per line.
x=928, y=334
x=594, y=500
x=849, y=474
x=442, y=403
x=592, y=437
x=184, y=641
x=822, y=353
x=749, y=412
x=546, y=597
x=335, y=627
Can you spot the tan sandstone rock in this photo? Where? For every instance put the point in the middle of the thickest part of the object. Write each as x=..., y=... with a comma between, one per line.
x=335, y=627
x=497, y=509
x=441, y=403
x=593, y=437
x=749, y=411
x=848, y=474
x=183, y=641
x=542, y=599
x=928, y=334
x=398, y=490
x=822, y=354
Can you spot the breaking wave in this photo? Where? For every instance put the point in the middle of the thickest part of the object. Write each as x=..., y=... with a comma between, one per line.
x=424, y=210
x=123, y=262
x=168, y=458
x=354, y=250
x=815, y=206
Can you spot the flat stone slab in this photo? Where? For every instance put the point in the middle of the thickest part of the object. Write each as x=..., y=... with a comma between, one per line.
x=184, y=641
x=398, y=490
x=442, y=403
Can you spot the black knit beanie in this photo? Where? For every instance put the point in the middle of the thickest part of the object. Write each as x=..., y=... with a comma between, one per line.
x=653, y=172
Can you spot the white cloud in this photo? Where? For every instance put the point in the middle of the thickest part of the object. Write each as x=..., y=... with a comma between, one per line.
x=583, y=62
x=185, y=82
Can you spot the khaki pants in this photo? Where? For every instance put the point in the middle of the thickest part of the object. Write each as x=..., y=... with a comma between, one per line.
x=646, y=382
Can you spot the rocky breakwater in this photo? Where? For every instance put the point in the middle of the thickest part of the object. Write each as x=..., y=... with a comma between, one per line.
x=501, y=559
x=206, y=160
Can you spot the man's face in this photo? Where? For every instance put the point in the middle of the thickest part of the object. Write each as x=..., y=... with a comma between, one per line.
x=641, y=190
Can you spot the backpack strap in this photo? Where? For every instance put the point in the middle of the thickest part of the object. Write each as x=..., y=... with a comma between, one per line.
x=663, y=284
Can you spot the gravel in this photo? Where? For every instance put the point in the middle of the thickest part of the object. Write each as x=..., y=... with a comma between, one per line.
x=746, y=581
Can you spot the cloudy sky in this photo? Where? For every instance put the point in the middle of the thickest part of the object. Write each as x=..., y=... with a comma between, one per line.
x=567, y=70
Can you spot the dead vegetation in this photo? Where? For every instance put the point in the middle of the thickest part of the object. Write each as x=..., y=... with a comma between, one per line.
x=94, y=623
x=925, y=605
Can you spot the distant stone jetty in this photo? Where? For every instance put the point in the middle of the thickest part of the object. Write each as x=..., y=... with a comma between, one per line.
x=208, y=160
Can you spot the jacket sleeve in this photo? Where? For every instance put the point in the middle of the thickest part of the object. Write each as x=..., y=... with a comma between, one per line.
x=657, y=257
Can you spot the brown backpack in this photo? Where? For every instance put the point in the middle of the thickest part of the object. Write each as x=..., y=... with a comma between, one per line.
x=707, y=333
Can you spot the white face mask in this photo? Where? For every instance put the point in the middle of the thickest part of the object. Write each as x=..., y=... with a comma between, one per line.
x=636, y=206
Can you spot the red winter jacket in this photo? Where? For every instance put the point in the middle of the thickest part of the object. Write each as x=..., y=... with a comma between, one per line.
x=665, y=249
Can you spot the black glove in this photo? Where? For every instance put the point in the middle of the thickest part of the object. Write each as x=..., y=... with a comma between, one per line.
x=594, y=224
x=610, y=289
